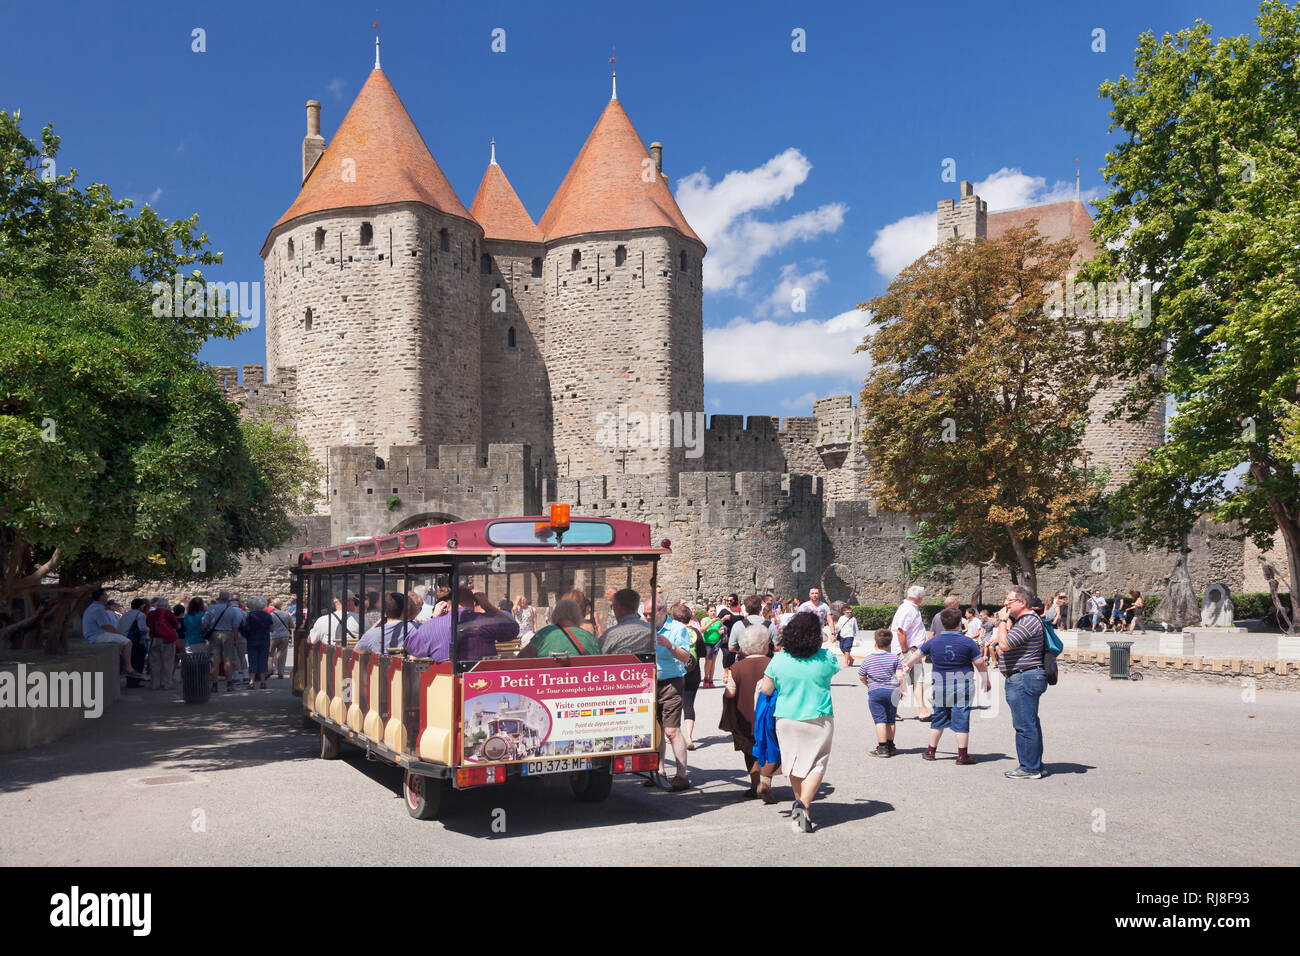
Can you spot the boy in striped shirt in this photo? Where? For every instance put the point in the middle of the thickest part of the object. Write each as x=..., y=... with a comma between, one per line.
x=879, y=671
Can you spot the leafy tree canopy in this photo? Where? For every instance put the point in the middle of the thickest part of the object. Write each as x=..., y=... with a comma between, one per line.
x=977, y=400
x=1205, y=203
x=122, y=456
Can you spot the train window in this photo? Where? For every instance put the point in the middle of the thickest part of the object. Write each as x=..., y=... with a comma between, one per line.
x=504, y=533
x=389, y=545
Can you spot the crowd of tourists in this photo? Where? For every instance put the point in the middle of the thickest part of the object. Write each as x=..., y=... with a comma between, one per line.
x=247, y=641
x=773, y=658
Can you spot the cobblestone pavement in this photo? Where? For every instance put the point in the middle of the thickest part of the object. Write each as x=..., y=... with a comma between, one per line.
x=1149, y=773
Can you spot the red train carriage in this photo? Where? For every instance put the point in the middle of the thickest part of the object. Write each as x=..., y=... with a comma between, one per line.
x=472, y=714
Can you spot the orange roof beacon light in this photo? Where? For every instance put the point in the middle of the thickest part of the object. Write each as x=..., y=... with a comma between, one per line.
x=560, y=517
x=558, y=523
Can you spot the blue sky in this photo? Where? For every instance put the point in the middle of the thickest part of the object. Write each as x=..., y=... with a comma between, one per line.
x=814, y=170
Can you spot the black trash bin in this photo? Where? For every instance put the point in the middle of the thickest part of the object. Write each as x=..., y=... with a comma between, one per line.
x=196, y=683
x=1119, y=659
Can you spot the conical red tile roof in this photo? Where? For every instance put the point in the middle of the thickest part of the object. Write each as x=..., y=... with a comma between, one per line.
x=605, y=190
x=498, y=210
x=393, y=164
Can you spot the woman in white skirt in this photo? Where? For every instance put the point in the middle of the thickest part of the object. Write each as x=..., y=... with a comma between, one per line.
x=801, y=678
x=526, y=620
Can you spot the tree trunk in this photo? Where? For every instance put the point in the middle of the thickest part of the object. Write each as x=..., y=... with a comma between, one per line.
x=1028, y=572
x=1291, y=540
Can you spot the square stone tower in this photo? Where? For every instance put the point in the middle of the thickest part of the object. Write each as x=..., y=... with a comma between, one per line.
x=968, y=218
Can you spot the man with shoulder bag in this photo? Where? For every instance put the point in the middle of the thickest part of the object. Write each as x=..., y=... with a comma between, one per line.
x=221, y=623
x=1021, y=643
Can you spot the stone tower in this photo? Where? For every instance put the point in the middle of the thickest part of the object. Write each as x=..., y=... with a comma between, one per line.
x=967, y=219
x=1117, y=445
x=516, y=392
x=371, y=287
x=623, y=278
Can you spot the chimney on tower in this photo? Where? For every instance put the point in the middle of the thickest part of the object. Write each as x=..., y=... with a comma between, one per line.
x=657, y=153
x=313, y=144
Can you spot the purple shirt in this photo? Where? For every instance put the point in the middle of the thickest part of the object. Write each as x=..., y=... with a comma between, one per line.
x=477, y=634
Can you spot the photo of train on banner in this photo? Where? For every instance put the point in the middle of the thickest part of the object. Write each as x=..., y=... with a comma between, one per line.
x=465, y=717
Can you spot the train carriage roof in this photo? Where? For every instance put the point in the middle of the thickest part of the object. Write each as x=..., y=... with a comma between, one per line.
x=517, y=535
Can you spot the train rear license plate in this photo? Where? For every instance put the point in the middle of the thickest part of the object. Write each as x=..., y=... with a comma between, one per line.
x=532, y=768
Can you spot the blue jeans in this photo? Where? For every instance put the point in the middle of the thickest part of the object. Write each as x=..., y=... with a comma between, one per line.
x=258, y=652
x=1023, y=690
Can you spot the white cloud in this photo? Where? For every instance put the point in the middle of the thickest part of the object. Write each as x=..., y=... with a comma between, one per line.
x=781, y=300
x=903, y=241
x=800, y=403
x=336, y=86
x=155, y=195
x=761, y=350
x=722, y=214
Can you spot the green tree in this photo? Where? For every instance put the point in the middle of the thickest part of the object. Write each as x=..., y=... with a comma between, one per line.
x=977, y=400
x=123, y=459
x=1205, y=204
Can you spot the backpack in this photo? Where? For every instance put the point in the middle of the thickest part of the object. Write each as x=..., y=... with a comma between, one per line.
x=713, y=633
x=1051, y=647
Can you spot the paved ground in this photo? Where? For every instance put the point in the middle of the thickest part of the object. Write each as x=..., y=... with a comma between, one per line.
x=1150, y=773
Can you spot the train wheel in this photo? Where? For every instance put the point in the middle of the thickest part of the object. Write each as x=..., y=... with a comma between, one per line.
x=423, y=795
x=329, y=744
x=591, y=786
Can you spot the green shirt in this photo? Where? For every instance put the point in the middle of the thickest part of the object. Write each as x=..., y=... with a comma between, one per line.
x=552, y=640
x=803, y=685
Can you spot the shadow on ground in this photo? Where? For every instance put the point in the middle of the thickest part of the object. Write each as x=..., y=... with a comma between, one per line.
x=233, y=729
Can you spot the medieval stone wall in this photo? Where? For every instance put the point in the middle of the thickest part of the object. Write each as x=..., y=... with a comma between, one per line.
x=728, y=531
x=516, y=390
x=874, y=543
x=455, y=483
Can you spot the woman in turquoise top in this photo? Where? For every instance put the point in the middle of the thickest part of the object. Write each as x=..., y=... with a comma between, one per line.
x=193, y=622
x=801, y=677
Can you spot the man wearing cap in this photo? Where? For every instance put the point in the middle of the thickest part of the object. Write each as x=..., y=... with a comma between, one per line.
x=909, y=632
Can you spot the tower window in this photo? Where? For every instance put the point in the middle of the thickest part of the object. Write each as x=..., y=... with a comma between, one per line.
x=681, y=262
x=290, y=248
x=485, y=264
x=320, y=239
x=510, y=338
x=444, y=241
x=307, y=320
x=620, y=255
x=367, y=233
x=537, y=268
x=575, y=260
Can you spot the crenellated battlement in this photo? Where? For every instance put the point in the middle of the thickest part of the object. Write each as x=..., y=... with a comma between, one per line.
x=249, y=386
x=415, y=484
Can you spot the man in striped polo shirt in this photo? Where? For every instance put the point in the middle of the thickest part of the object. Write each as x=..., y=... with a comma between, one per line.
x=1020, y=641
